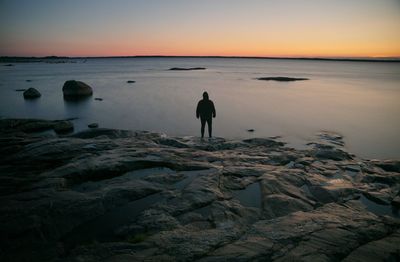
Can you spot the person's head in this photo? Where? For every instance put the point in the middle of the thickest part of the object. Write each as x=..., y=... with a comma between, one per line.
x=205, y=96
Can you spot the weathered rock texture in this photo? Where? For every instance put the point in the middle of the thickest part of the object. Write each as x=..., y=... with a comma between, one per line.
x=114, y=195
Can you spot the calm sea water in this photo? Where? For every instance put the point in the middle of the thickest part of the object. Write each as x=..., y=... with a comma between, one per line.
x=360, y=100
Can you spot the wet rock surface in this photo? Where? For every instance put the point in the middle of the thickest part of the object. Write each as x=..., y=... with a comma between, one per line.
x=115, y=195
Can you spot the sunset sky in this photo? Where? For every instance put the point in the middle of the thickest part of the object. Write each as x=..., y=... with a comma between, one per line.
x=298, y=28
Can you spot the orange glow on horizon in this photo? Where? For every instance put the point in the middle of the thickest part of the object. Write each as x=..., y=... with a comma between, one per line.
x=200, y=49
x=290, y=28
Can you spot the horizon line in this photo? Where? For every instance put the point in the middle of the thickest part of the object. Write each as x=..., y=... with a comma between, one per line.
x=324, y=58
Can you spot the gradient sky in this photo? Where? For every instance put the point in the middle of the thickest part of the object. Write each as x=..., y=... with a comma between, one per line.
x=326, y=28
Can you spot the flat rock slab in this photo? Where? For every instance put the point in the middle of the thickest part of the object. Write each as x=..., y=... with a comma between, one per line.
x=115, y=195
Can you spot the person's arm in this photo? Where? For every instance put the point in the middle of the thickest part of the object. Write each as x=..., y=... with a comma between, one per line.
x=213, y=110
x=198, y=110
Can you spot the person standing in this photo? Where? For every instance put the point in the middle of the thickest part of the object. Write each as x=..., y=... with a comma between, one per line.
x=206, y=111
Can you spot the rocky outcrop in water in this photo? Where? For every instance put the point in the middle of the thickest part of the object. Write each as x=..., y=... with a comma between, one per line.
x=31, y=93
x=186, y=68
x=76, y=89
x=281, y=79
x=115, y=195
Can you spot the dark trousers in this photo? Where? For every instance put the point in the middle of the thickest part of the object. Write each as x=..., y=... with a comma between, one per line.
x=203, y=124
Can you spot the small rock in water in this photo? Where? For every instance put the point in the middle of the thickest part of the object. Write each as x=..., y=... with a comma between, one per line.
x=250, y=130
x=93, y=125
x=20, y=90
x=63, y=127
x=130, y=81
x=31, y=93
x=98, y=99
x=28, y=80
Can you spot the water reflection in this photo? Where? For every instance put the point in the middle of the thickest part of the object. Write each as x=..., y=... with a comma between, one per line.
x=379, y=209
x=33, y=107
x=75, y=106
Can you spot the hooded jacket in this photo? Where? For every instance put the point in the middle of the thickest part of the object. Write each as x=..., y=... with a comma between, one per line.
x=205, y=108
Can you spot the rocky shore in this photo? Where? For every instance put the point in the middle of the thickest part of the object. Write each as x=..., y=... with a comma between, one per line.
x=117, y=195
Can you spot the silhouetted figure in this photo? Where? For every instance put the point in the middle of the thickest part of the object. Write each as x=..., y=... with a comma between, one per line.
x=206, y=111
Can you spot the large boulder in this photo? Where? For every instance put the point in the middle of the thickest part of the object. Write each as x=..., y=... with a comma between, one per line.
x=74, y=88
x=31, y=93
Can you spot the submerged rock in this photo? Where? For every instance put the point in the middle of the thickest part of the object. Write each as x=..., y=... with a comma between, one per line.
x=16, y=126
x=281, y=79
x=31, y=93
x=74, y=88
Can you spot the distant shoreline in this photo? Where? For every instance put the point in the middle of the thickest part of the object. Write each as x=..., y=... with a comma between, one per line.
x=21, y=59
